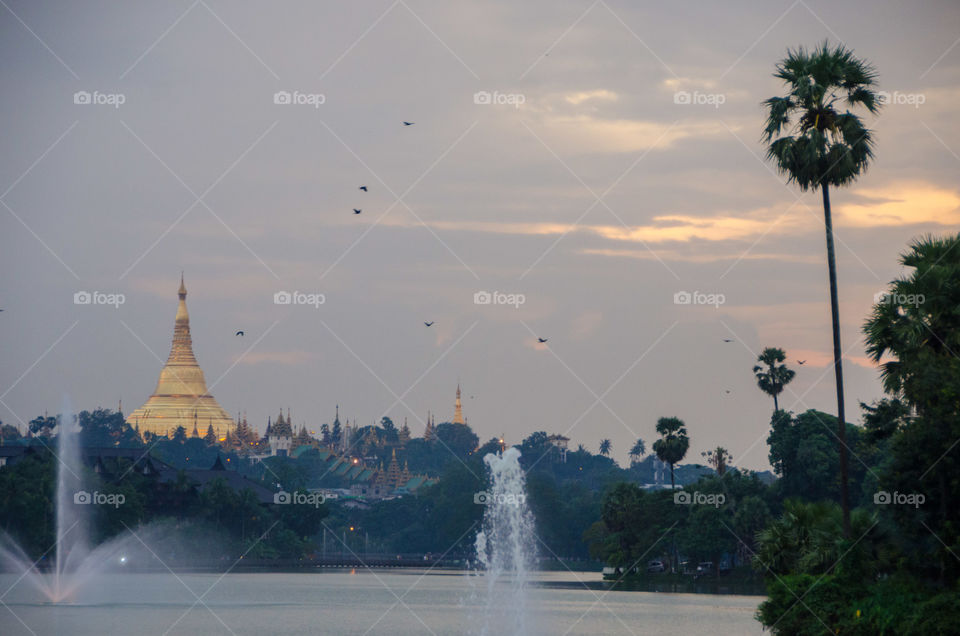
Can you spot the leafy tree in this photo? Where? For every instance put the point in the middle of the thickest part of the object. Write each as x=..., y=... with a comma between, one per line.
x=605, y=447
x=490, y=446
x=718, y=458
x=817, y=146
x=673, y=443
x=389, y=430
x=325, y=434
x=27, y=501
x=8, y=432
x=884, y=418
x=458, y=438
x=804, y=454
x=46, y=422
x=772, y=375
x=180, y=435
x=635, y=521
x=534, y=448
x=210, y=437
x=914, y=333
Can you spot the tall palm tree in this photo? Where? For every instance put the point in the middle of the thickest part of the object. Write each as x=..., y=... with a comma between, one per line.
x=673, y=443
x=605, y=447
x=772, y=374
x=817, y=146
x=638, y=450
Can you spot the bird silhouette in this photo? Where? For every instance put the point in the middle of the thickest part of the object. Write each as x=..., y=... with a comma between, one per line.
x=542, y=340
x=801, y=361
x=239, y=333
x=429, y=324
x=356, y=211
x=728, y=390
x=727, y=340
x=408, y=123
x=364, y=188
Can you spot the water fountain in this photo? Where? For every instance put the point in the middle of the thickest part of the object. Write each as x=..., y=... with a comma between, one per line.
x=74, y=562
x=505, y=546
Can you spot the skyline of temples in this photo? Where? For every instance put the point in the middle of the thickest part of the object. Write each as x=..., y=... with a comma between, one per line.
x=181, y=397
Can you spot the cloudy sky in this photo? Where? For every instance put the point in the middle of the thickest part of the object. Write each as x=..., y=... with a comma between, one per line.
x=617, y=164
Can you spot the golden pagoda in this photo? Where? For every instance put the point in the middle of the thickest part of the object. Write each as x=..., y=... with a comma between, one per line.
x=458, y=408
x=181, y=397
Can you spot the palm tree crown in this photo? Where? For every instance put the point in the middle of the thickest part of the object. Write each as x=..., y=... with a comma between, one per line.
x=811, y=141
x=772, y=374
x=917, y=322
x=673, y=443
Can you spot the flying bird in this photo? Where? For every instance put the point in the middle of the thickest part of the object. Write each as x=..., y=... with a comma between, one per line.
x=364, y=188
x=429, y=324
x=728, y=390
x=356, y=211
x=542, y=340
x=801, y=361
x=239, y=333
x=408, y=123
x=727, y=340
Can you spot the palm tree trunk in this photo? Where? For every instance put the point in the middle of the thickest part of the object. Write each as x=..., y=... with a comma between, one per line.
x=672, y=485
x=837, y=361
x=776, y=405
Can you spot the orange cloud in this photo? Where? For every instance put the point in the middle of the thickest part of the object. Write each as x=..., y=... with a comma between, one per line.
x=903, y=203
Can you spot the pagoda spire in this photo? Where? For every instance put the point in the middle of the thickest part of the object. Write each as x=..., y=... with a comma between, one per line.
x=458, y=408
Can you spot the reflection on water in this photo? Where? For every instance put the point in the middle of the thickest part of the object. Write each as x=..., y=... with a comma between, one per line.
x=375, y=602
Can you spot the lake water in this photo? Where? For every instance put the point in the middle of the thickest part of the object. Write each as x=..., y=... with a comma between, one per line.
x=393, y=602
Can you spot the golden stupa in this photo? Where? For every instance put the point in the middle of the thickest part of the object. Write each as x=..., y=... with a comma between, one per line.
x=181, y=397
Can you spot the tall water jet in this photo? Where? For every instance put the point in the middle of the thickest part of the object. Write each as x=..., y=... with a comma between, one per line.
x=74, y=562
x=506, y=545
x=72, y=522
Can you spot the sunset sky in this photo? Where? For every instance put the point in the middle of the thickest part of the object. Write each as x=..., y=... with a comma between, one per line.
x=592, y=189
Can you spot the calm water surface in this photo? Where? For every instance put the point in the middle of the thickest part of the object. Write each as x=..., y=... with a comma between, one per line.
x=394, y=602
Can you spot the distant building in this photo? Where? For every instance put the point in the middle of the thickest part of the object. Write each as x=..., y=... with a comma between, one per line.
x=560, y=442
x=280, y=436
